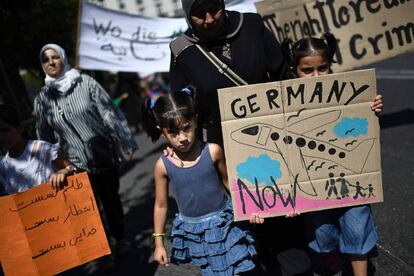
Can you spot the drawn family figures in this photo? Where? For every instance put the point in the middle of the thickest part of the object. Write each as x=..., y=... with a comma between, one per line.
x=358, y=190
x=344, y=188
x=331, y=186
x=370, y=190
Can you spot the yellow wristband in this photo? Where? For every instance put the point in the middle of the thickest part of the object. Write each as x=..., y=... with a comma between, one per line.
x=157, y=235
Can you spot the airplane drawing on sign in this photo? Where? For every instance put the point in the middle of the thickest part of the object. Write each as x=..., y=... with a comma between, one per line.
x=295, y=139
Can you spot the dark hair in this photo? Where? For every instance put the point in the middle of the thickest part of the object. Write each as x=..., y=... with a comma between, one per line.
x=325, y=46
x=167, y=111
x=10, y=115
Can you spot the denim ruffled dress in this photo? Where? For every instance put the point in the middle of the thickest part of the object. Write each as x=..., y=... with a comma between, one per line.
x=213, y=243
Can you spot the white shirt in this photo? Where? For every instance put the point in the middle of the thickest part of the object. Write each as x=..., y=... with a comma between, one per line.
x=31, y=168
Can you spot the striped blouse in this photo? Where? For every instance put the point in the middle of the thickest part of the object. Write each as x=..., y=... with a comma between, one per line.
x=89, y=109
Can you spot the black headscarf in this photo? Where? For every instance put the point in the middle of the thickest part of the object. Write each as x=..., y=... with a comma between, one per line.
x=188, y=4
x=231, y=25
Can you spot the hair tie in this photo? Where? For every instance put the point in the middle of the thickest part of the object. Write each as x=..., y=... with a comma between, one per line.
x=187, y=91
x=152, y=102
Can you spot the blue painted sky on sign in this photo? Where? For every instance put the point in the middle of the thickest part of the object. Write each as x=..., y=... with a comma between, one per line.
x=351, y=127
x=261, y=168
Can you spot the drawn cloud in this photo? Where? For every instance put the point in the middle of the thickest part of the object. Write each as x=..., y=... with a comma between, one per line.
x=259, y=168
x=351, y=127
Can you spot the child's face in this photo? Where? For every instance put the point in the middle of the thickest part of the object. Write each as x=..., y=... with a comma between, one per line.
x=312, y=66
x=9, y=135
x=184, y=138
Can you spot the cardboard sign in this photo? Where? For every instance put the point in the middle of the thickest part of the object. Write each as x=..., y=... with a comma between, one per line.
x=367, y=31
x=302, y=145
x=44, y=232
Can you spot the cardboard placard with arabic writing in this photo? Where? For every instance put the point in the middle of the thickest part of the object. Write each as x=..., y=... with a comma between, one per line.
x=302, y=145
x=44, y=232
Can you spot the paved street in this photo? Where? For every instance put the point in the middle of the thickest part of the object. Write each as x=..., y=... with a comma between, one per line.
x=394, y=217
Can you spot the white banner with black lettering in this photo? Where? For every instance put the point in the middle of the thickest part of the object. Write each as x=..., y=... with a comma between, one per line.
x=116, y=41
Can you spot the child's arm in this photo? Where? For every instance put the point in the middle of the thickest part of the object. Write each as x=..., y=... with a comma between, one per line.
x=377, y=105
x=217, y=155
x=160, y=212
x=66, y=168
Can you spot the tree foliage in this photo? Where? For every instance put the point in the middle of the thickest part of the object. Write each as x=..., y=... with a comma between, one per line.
x=29, y=24
x=25, y=26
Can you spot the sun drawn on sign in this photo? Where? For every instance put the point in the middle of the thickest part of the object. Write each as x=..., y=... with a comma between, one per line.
x=303, y=147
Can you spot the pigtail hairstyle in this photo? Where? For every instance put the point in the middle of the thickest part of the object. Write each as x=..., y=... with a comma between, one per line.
x=167, y=111
x=325, y=46
x=287, y=51
x=148, y=120
x=332, y=44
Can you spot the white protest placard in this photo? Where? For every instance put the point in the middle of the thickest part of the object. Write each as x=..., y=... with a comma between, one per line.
x=114, y=41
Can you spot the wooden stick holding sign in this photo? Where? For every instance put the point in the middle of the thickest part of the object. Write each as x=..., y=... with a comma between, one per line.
x=302, y=145
x=44, y=232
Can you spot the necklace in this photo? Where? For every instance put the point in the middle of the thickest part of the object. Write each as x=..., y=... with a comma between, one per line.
x=178, y=159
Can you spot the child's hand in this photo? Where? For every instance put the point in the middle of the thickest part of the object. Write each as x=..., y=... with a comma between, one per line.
x=292, y=215
x=124, y=95
x=376, y=106
x=168, y=151
x=160, y=255
x=256, y=219
x=58, y=179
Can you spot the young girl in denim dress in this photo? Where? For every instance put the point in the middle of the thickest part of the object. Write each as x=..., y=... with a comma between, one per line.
x=352, y=229
x=203, y=232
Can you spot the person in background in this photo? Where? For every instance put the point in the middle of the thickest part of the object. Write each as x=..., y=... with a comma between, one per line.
x=75, y=110
x=129, y=98
x=118, y=100
x=27, y=163
x=352, y=229
x=239, y=40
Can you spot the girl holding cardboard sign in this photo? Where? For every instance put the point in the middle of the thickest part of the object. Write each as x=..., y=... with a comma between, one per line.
x=352, y=228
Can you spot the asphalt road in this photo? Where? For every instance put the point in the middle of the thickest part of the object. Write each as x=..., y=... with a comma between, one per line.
x=394, y=217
